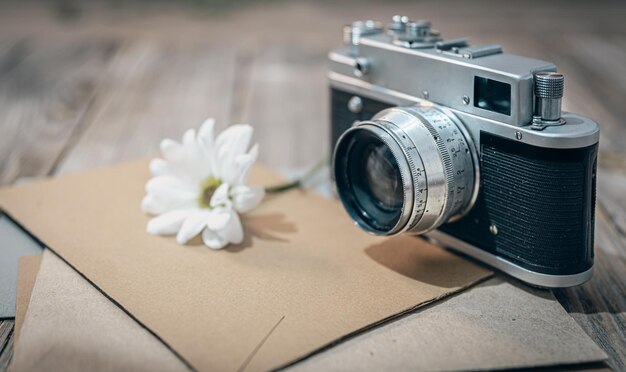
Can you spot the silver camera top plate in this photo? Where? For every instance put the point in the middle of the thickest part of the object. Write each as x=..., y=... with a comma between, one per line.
x=379, y=65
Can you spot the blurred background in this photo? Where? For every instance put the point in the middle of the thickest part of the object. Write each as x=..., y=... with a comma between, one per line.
x=88, y=83
x=85, y=83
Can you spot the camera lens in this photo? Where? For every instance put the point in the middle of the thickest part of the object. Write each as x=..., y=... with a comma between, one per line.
x=406, y=170
x=382, y=177
x=371, y=182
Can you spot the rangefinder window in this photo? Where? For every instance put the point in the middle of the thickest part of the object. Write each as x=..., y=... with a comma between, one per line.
x=492, y=95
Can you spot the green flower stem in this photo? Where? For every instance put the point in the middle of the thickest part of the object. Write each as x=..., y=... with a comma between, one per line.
x=300, y=181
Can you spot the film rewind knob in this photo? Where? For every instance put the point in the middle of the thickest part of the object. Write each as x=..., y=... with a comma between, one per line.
x=548, y=96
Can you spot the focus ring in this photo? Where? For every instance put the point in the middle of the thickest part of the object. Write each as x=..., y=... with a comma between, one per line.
x=445, y=159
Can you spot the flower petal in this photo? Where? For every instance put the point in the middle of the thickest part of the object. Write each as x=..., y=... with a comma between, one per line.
x=159, y=167
x=205, y=134
x=192, y=226
x=220, y=196
x=189, y=138
x=190, y=145
x=243, y=163
x=195, y=164
x=205, y=146
x=212, y=240
x=218, y=218
x=231, y=143
x=254, y=152
x=171, y=150
x=158, y=204
x=233, y=232
x=246, y=198
x=168, y=223
x=170, y=185
x=206, y=130
x=151, y=205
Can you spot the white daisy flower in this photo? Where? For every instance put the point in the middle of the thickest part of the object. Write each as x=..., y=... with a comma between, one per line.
x=200, y=186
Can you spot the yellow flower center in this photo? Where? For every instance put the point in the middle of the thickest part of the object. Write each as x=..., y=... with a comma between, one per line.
x=207, y=188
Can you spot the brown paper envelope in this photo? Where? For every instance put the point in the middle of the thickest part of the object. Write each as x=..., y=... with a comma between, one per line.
x=518, y=327
x=304, y=276
x=71, y=326
x=492, y=326
x=27, y=272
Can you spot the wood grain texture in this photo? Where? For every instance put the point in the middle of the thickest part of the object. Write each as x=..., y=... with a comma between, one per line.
x=286, y=101
x=6, y=343
x=44, y=91
x=599, y=305
x=101, y=88
x=153, y=91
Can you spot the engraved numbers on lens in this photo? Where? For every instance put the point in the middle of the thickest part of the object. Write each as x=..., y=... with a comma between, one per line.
x=459, y=165
x=449, y=170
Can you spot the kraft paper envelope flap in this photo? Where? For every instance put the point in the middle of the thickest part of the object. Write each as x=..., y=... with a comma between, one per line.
x=303, y=277
x=28, y=268
x=517, y=327
x=492, y=326
x=71, y=326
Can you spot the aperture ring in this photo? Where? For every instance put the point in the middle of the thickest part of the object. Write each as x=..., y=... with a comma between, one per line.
x=445, y=159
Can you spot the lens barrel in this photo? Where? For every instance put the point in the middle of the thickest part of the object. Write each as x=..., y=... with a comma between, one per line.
x=409, y=169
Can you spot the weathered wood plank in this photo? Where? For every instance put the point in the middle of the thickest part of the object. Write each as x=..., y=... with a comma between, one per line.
x=6, y=343
x=44, y=91
x=599, y=305
x=153, y=91
x=611, y=198
x=12, y=53
x=287, y=103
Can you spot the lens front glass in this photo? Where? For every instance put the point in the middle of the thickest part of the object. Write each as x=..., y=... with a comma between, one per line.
x=369, y=181
x=382, y=177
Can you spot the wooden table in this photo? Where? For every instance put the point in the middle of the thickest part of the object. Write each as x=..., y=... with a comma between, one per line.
x=86, y=86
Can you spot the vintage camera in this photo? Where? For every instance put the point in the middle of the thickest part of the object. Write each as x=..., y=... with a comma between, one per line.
x=465, y=144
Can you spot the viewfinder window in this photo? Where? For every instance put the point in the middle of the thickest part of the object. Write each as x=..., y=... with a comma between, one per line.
x=492, y=95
